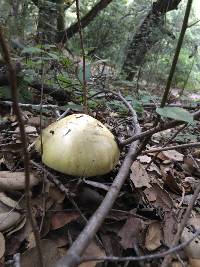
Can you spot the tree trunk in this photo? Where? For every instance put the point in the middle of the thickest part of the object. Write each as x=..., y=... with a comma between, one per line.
x=50, y=21
x=73, y=29
x=145, y=37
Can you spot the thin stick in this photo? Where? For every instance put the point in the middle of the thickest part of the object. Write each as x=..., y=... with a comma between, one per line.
x=32, y=106
x=85, y=104
x=159, y=128
x=145, y=257
x=183, y=223
x=14, y=91
x=176, y=55
x=197, y=144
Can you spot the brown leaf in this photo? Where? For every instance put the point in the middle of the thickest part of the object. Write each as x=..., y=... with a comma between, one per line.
x=170, y=180
x=169, y=227
x=153, y=236
x=150, y=194
x=163, y=200
x=139, y=175
x=130, y=232
x=92, y=251
x=49, y=253
x=15, y=180
x=173, y=155
x=59, y=219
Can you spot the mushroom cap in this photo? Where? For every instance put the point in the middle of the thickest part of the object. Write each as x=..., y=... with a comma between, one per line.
x=78, y=145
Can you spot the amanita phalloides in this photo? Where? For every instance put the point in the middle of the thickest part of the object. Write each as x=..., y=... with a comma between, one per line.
x=78, y=145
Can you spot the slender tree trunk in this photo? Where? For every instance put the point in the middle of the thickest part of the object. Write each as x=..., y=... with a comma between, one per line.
x=50, y=21
x=145, y=37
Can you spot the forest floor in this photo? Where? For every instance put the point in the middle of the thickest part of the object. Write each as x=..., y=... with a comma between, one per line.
x=162, y=184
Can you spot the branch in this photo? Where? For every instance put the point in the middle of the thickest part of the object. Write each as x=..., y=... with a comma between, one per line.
x=16, y=108
x=76, y=250
x=162, y=127
x=197, y=144
x=73, y=29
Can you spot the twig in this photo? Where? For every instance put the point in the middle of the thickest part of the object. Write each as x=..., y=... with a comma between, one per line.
x=183, y=223
x=145, y=257
x=73, y=256
x=14, y=92
x=85, y=104
x=32, y=106
x=176, y=55
x=159, y=128
x=53, y=179
x=64, y=190
x=154, y=106
x=197, y=144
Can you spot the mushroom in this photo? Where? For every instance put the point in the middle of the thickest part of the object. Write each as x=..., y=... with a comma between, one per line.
x=78, y=145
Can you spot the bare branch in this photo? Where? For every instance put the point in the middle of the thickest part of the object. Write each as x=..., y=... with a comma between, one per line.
x=14, y=92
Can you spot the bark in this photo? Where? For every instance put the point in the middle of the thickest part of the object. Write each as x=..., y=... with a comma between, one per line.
x=146, y=36
x=73, y=29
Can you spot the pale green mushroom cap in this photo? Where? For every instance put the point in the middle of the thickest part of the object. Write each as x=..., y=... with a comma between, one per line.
x=79, y=145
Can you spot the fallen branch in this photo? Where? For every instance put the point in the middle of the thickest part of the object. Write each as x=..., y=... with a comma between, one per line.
x=76, y=250
x=32, y=106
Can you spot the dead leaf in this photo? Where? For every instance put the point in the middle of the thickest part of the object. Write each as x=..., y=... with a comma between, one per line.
x=154, y=168
x=150, y=194
x=59, y=219
x=8, y=219
x=163, y=199
x=153, y=236
x=15, y=180
x=170, y=181
x=92, y=251
x=130, y=232
x=49, y=253
x=139, y=175
x=2, y=245
x=173, y=155
x=169, y=227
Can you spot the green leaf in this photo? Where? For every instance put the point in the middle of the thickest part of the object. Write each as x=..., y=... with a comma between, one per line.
x=175, y=113
x=87, y=73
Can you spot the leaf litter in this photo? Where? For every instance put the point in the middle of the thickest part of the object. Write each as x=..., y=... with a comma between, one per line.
x=144, y=218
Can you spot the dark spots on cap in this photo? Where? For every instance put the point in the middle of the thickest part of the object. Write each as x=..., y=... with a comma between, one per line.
x=52, y=132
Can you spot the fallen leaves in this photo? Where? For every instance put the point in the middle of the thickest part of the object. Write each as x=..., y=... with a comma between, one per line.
x=154, y=236
x=139, y=175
